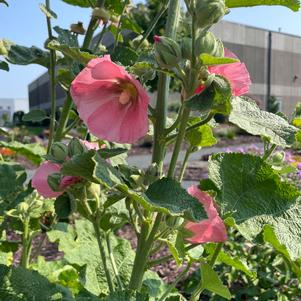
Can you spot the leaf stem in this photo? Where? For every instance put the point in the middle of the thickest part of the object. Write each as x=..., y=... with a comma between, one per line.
x=269, y=152
x=184, y=163
x=126, y=2
x=89, y=33
x=25, y=243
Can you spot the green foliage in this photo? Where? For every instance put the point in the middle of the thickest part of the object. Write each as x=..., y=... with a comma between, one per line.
x=21, y=55
x=63, y=206
x=4, y=66
x=251, y=192
x=125, y=55
x=273, y=104
x=126, y=295
x=32, y=151
x=211, y=281
x=72, y=52
x=201, y=136
x=66, y=37
x=210, y=60
x=247, y=115
x=74, y=242
x=19, y=284
x=215, y=98
x=294, y=5
x=168, y=193
x=35, y=116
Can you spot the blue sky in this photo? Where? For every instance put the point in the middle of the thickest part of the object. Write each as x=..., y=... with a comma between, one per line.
x=24, y=23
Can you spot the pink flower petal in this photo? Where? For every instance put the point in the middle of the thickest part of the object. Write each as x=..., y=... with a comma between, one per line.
x=211, y=229
x=110, y=101
x=39, y=180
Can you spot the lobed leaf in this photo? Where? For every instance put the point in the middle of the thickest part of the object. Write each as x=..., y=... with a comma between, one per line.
x=35, y=116
x=248, y=116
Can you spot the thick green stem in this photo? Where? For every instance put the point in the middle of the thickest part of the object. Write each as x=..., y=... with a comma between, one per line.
x=26, y=242
x=89, y=34
x=196, y=294
x=126, y=2
x=163, y=87
x=145, y=242
x=112, y=259
x=64, y=118
x=180, y=138
x=100, y=37
x=52, y=63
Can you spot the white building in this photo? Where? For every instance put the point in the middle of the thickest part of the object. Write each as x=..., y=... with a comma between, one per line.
x=8, y=106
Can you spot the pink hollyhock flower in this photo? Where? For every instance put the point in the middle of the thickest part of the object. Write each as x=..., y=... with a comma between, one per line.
x=47, y=168
x=110, y=101
x=236, y=73
x=211, y=229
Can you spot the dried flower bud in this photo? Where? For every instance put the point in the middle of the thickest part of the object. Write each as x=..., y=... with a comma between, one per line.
x=208, y=12
x=59, y=151
x=208, y=43
x=167, y=52
x=78, y=28
x=102, y=14
x=75, y=147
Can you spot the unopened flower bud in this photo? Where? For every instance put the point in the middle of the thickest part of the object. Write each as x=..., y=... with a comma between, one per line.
x=278, y=158
x=186, y=48
x=78, y=28
x=102, y=14
x=93, y=190
x=208, y=12
x=208, y=43
x=136, y=42
x=59, y=151
x=54, y=181
x=75, y=147
x=167, y=52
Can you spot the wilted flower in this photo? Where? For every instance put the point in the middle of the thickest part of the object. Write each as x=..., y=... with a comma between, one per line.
x=236, y=73
x=208, y=230
x=110, y=101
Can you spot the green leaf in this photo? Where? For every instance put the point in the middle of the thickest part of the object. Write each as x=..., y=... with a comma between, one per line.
x=107, y=153
x=4, y=66
x=32, y=151
x=126, y=295
x=65, y=78
x=48, y=12
x=4, y=2
x=72, y=52
x=21, y=55
x=66, y=37
x=201, y=136
x=212, y=283
x=215, y=98
x=248, y=116
x=81, y=3
x=253, y=193
x=125, y=55
x=168, y=193
x=270, y=237
x=292, y=4
x=6, y=258
x=19, y=284
x=35, y=115
x=62, y=206
x=210, y=60
x=73, y=241
x=129, y=23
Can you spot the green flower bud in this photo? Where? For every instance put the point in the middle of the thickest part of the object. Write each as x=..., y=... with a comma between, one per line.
x=54, y=181
x=208, y=43
x=278, y=158
x=93, y=190
x=186, y=48
x=167, y=52
x=102, y=14
x=78, y=28
x=208, y=12
x=75, y=147
x=59, y=151
x=136, y=42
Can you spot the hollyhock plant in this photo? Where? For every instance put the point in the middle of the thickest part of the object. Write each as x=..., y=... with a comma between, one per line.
x=236, y=73
x=47, y=168
x=110, y=101
x=211, y=229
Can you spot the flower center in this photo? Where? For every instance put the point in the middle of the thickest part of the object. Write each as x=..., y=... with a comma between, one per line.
x=128, y=93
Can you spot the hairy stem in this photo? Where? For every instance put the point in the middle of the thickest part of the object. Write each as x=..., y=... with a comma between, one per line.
x=184, y=164
x=51, y=71
x=26, y=242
